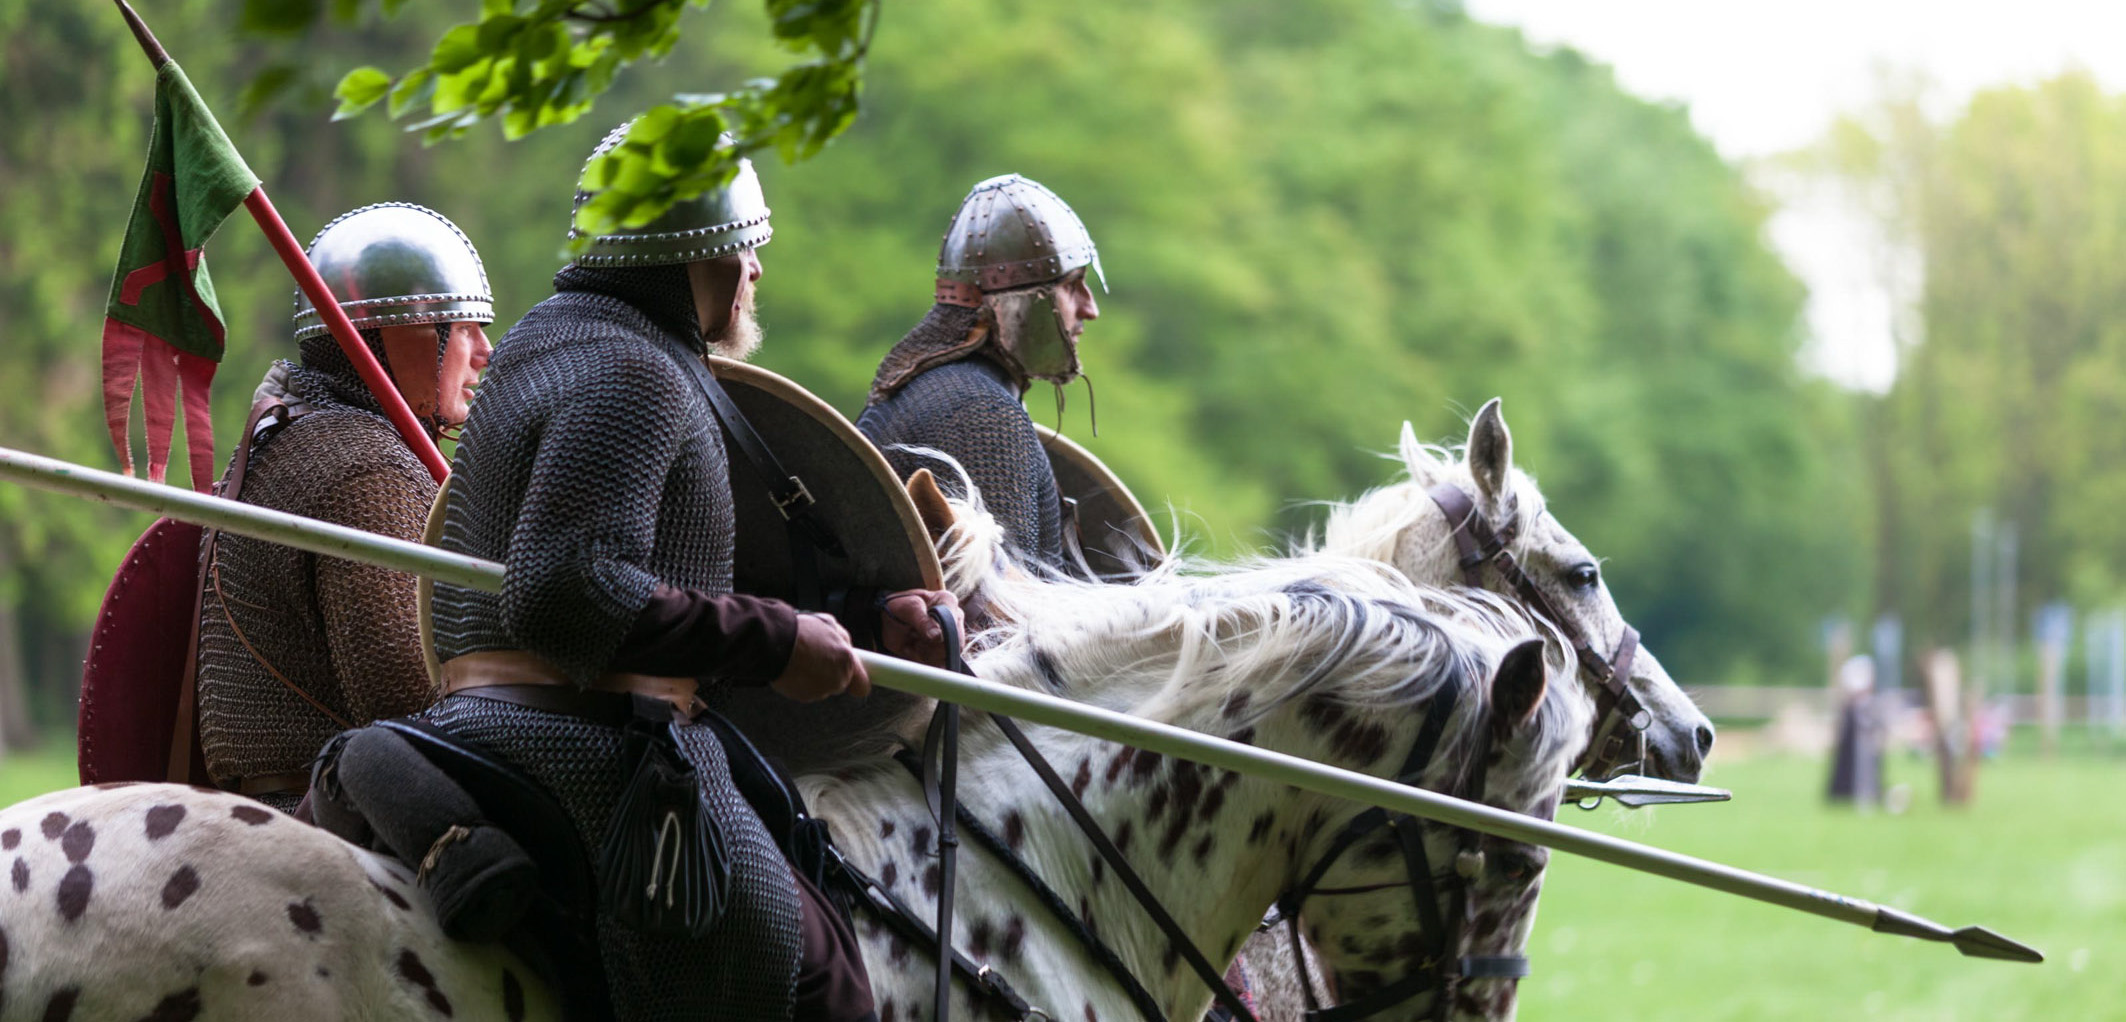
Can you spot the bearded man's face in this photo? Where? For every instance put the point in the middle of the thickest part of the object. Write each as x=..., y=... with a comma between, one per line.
x=723, y=302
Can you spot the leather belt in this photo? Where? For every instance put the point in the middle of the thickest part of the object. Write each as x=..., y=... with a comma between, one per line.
x=292, y=782
x=496, y=667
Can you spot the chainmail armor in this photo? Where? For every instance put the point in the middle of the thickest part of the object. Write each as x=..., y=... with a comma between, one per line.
x=593, y=467
x=969, y=408
x=744, y=970
x=343, y=632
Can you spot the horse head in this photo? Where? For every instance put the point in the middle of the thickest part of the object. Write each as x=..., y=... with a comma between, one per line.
x=1407, y=526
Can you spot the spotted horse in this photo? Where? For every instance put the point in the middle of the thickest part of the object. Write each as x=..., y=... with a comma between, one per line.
x=162, y=902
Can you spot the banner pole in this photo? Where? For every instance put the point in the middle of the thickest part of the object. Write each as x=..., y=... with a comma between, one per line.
x=306, y=277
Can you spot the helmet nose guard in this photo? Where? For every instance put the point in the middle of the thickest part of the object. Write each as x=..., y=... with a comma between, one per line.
x=1011, y=231
x=715, y=223
x=396, y=264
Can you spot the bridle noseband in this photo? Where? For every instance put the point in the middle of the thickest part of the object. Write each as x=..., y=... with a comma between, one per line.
x=1619, y=740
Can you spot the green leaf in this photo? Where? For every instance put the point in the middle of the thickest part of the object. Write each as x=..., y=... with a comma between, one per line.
x=279, y=17
x=497, y=33
x=416, y=87
x=457, y=50
x=360, y=90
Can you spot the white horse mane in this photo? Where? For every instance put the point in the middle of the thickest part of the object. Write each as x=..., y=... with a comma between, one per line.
x=1378, y=520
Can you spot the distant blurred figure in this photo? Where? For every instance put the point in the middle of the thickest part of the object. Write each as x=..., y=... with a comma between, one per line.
x=1856, y=759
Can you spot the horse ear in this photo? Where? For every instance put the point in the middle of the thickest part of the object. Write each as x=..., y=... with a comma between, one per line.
x=1490, y=450
x=1518, y=685
x=930, y=504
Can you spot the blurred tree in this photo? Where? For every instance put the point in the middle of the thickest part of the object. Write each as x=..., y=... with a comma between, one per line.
x=1318, y=222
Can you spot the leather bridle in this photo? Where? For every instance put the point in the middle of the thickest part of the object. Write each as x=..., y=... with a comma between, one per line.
x=1619, y=740
x=1440, y=970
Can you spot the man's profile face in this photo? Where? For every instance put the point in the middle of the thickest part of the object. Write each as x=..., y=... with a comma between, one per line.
x=723, y=302
x=1075, y=304
x=465, y=356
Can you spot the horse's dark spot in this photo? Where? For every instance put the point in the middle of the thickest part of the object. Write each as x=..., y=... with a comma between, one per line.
x=1361, y=742
x=1156, y=807
x=979, y=938
x=257, y=979
x=922, y=841
x=304, y=916
x=61, y=1007
x=1323, y=713
x=390, y=895
x=252, y=815
x=1085, y=912
x=53, y=825
x=164, y=819
x=1123, y=834
x=1237, y=703
x=1213, y=801
x=78, y=841
x=324, y=973
x=20, y=875
x=74, y=889
x=889, y=873
x=897, y=948
x=931, y=880
x=512, y=997
x=1014, y=938
x=1099, y=869
x=1014, y=829
x=181, y=885
x=1046, y=664
x=1078, y=784
x=1245, y=736
x=182, y=1006
x=1175, y=830
x=885, y=828
x=1090, y=1014
x=1188, y=783
x=10, y=837
x=1115, y=765
x=889, y=1011
x=1202, y=851
x=1171, y=960
x=413, y=971
x=1142, y=764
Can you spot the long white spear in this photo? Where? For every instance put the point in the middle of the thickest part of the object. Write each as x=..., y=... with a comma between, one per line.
x=474, y=573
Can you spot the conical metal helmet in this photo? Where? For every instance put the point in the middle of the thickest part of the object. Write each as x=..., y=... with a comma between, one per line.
x=715, y=223
x=1011, y=232
x=396, y=264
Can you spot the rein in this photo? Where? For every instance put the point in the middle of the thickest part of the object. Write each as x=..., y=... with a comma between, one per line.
x=1620, y=719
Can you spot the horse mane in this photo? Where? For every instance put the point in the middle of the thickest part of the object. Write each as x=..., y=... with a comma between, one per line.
x=1377, y=522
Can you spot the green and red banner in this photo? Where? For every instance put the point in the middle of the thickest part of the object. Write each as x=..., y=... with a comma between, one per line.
x=163, y=326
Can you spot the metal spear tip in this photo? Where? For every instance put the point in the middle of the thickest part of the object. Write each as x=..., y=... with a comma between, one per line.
x=1971, y=941
x=1634, y=791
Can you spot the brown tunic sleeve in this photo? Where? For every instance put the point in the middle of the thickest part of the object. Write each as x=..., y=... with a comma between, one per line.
x=686, y=633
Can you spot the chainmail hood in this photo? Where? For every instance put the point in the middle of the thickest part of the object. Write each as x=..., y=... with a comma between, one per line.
x=947, y=334
x=662, y=293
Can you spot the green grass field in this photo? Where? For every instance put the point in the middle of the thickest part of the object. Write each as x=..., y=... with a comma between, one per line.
x=2041, y=857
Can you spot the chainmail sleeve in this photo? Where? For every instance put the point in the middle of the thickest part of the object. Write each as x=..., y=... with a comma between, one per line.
x=579, y=573
x=372, y=632
x=968, y=410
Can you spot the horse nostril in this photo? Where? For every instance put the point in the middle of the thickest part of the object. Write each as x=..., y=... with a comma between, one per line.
x=1705, y=739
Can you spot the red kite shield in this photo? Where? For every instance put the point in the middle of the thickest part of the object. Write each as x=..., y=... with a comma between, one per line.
x=133, y=680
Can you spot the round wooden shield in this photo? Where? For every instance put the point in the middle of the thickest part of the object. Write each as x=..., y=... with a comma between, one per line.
x=862, y=502
x=1116, y=533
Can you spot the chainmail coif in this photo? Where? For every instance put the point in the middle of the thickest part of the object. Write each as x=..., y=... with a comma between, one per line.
x=956, y=399
x=593, y=468
x=342, y=632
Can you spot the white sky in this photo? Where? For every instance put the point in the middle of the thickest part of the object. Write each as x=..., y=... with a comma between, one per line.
x=1761, y=78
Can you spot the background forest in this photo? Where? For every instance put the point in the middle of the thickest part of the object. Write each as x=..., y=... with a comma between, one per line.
x=1318, y=220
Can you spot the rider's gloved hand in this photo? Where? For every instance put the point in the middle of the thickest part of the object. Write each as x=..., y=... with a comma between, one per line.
x=907, y=631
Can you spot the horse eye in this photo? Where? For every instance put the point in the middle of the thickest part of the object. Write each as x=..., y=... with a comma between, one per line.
x=1583, y=576
x=1518, y=867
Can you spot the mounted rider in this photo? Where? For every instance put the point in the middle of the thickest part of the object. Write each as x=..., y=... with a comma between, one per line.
x=293, y=647
x=1011, y=302
x=596, y=470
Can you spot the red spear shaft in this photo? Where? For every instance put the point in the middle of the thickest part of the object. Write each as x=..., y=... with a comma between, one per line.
x=328, y=308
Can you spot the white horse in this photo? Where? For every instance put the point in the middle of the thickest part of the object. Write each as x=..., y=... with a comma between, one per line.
x=169, y=902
